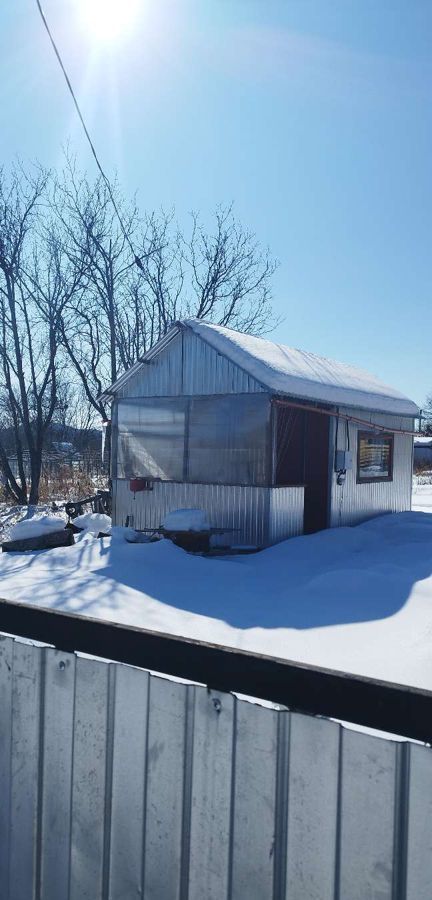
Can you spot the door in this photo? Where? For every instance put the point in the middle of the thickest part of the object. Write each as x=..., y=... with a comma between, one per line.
x=316, y=472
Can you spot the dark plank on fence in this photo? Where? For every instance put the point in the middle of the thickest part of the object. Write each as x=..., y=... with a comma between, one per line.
x=395, y=708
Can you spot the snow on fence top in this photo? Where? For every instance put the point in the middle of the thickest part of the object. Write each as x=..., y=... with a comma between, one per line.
x=301, y=374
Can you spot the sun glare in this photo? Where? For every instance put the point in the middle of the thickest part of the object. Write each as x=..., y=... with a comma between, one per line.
x=107, y=21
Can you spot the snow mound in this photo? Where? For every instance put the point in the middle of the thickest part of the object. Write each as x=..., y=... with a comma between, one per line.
x=94, y=523
x=186, y=520
x=37, y=526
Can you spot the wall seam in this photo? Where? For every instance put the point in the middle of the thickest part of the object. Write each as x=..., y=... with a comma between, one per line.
x=187, y=791
x=106, y=858
x=232, y=804
x=40, y=775
x=281, y=805
x=146, y=767
x=338, y=842
x=401, y=823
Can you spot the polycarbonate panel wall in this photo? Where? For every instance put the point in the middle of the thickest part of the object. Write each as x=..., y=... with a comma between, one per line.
x=151, y=438
x=352, y=503
x=229, y=439
x=118, y=784
x=218, y=439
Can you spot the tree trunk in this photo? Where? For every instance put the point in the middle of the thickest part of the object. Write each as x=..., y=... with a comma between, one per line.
x=35, y=468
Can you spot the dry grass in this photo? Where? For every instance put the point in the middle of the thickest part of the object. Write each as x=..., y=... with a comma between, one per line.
x=66, y=483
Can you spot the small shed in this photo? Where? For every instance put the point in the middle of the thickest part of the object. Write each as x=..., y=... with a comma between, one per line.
x=269, y=441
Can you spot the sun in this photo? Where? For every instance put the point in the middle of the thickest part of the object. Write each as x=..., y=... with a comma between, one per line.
x=108, y=21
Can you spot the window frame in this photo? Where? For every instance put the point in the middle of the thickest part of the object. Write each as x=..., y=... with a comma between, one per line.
x=373, y=479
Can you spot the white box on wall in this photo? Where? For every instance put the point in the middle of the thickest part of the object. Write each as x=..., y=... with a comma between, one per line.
x=344, y=460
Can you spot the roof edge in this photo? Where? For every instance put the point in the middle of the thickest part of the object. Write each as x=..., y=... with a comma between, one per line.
x=110, y=392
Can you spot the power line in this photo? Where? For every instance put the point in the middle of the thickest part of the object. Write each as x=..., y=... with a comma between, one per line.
x=87, y=134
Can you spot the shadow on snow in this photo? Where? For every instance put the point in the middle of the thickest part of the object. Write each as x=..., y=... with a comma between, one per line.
x=338, y=576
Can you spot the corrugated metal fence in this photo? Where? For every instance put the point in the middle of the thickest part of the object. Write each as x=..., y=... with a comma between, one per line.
x=118, y=784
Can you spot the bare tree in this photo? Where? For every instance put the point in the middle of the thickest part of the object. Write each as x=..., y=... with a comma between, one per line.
x=221, y=274
x=155, y=290
x=96, y=244
x=230, y=275
x=427, y=416
x=72, y=296
x=35, y=286
x=74, y=419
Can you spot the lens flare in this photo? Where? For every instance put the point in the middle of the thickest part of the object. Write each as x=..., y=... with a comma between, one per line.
x=107, y=21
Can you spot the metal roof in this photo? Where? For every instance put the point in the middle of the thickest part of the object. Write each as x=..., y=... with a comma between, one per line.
x=287, y=371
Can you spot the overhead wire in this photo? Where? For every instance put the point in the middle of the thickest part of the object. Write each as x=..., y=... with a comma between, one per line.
x=137, y=259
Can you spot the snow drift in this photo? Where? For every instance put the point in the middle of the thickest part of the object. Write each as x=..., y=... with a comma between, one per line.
x=93, y=523
x=37, y=526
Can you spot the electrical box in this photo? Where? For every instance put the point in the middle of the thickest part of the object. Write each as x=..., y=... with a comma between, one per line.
x=343, y=460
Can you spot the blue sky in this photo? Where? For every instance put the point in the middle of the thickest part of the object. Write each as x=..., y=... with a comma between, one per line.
x=313, y=116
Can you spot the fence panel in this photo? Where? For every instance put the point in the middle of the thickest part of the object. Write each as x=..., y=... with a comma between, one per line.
x=367, y=817
x=128, y=782
x=418, y=800
x=212, y=754
x=117, y=784
x=90, y=749
x=24, y=759
x=253, y=799
x=56, y=795
x=6, y=664
x=165, y=785
x=313, y=783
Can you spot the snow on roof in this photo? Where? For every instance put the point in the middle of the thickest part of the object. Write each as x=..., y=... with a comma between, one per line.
x=297, y=373
x=284, y=370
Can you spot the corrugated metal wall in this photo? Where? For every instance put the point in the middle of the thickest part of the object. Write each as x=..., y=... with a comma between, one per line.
x=161, y=377
x=258, y=515
x=208, y=372
x=117, y=784
x=286, y=513
x=189, y=366
x=352, y=503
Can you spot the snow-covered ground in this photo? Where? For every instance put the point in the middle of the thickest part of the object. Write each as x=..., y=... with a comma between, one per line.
x=358, y=599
